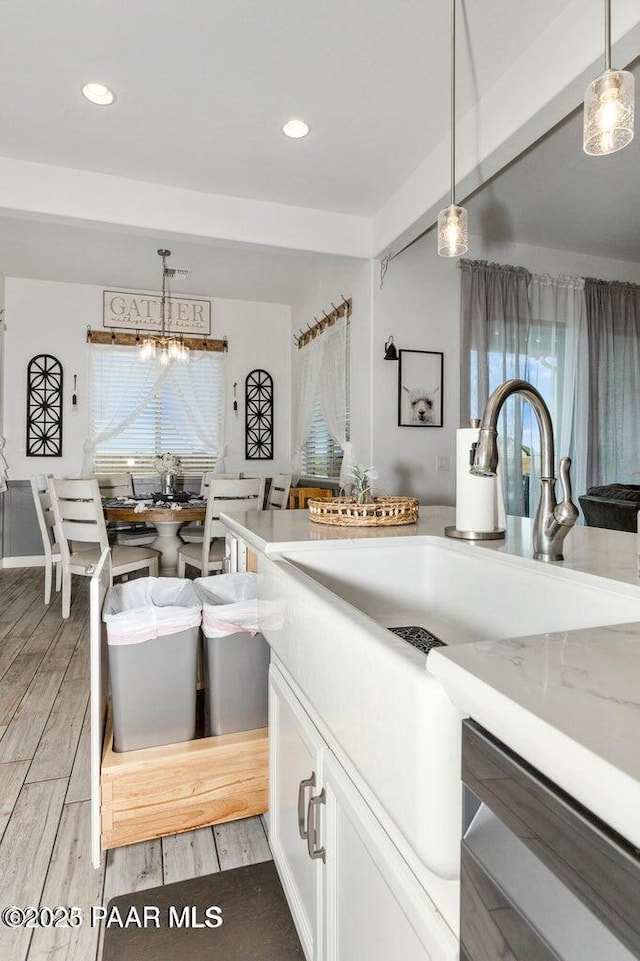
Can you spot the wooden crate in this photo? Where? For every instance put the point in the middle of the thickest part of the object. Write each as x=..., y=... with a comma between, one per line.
x=180, y=787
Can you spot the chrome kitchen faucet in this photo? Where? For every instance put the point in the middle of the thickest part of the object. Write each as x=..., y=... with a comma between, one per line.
x=553, y=520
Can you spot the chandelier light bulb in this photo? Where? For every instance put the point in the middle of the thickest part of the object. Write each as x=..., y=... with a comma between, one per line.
x=453, y=234
x=147, y=349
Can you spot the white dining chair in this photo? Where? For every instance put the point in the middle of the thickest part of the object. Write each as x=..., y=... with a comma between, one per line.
x=46, y=523
x=279, y=492
x=224, y=495
x=115, y=485
x=81, y=532
x=124, y=532
x=194, y=532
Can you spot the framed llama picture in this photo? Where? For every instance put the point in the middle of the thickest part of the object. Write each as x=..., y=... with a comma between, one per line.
x=420, y=387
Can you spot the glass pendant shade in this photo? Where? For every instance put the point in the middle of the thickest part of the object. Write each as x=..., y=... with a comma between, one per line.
x=608, y=113
x=147, y=350
x=453, y=234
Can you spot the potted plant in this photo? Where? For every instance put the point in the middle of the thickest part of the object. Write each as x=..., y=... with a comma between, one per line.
x=362, y=477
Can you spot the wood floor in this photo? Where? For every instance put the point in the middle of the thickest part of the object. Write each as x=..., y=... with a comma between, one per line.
x=44, y=784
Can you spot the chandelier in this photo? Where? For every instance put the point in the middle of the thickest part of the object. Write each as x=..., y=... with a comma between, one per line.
x=164, y=346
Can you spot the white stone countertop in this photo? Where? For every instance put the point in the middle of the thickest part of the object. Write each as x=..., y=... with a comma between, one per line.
x=567, y=702
x=588, y=550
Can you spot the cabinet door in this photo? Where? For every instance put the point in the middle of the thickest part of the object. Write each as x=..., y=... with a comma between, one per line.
x=374, y=907
x=295, y=772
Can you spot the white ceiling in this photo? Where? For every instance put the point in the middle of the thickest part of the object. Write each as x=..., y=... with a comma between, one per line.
x=552, y=196
x=203, y=87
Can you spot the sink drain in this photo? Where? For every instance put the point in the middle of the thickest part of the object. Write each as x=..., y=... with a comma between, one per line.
x=419, y=637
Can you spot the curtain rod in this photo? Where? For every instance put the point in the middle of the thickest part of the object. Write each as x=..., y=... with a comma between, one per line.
x=344, y=309
x=133, y=340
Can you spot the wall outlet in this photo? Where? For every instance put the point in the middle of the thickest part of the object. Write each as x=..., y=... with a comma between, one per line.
x=443, y=463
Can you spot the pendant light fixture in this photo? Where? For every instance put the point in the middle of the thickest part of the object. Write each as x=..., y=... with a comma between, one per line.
x=165, y=347
x=608, y=104
x=453, y=236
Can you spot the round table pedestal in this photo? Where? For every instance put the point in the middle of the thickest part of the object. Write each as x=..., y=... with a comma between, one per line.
x=168, y=542
x=167, y=522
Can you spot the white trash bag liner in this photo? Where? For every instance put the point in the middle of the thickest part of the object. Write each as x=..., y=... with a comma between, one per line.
x=150, y=607
x=229, y=604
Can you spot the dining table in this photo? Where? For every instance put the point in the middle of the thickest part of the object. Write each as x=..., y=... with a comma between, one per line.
x=167, y=520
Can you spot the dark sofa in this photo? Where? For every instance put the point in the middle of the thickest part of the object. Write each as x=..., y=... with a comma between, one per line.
x=614, y=506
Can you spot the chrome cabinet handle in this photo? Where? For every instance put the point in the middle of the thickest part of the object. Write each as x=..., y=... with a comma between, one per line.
x=312, y=833
x=302, y=826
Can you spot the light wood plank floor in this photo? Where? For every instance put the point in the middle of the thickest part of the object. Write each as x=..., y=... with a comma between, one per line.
x=44, y=784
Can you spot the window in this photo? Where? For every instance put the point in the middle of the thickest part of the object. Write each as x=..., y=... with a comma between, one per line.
x=141, y=409
x=321, y=455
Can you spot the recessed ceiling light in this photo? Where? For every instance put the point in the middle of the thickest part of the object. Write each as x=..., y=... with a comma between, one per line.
x=295, y=129
x=98, y=93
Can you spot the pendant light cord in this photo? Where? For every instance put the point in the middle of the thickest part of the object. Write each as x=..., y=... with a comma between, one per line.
x=607, y=34
x=453, y=102
x=163, y=300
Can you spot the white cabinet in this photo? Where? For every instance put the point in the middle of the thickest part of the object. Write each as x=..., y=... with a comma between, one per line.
x=295, y=771
x=351, y=893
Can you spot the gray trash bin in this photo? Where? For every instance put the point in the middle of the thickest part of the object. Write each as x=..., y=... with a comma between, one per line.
x=236, y=655
x=153, y=628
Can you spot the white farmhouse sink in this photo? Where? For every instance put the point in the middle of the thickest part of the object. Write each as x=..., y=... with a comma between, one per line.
x=388, y=719
x=463, y=594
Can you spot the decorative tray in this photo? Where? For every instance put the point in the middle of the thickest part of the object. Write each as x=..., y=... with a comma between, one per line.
x=346, y=512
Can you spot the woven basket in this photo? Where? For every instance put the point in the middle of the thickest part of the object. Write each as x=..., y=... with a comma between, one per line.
x=346, y=512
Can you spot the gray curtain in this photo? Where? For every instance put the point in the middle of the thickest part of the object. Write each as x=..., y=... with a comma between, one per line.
x=495, y=321
x=613, y=324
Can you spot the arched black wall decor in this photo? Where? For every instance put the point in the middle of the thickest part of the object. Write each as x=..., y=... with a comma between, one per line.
x=259, y=416
x=44, y=407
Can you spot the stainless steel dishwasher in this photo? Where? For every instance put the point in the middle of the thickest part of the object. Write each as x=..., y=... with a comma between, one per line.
x=542, y=878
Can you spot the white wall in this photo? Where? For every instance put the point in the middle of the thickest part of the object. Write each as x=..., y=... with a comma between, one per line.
x=420, y=305
x=331, y=283
x=47, y=317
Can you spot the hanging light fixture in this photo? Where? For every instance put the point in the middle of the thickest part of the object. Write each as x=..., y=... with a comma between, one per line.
x=608, y=104
x=453, y=236
x=165, y=347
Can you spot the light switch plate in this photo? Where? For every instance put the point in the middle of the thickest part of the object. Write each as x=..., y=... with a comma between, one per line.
x=443, y=463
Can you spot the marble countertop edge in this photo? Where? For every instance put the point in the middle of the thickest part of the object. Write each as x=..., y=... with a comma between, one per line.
x=610, y=791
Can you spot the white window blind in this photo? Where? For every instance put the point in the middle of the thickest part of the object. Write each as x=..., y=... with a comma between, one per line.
x=140, y=410
x=321, y=455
